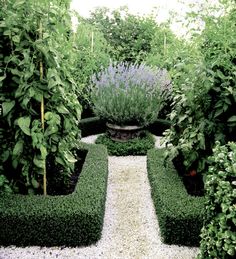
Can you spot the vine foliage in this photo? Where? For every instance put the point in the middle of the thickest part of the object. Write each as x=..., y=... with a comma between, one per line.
x=36, y=81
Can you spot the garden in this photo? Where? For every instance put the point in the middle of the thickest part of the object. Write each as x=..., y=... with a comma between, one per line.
x=117, y=137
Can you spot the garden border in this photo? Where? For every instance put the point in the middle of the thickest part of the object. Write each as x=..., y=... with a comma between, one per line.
x=180, y=215
x=70, y=220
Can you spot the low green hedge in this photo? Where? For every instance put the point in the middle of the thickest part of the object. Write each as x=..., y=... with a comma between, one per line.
x=92, y=126
x=137, y=146
x=70, y=220
x=180, y=215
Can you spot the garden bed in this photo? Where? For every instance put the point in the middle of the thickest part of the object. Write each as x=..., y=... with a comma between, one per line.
x=69, y=220
x=180, y=215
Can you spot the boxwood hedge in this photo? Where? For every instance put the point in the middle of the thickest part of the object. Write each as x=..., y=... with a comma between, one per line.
x=180, y=215
x=133, y=147
x=70, y=220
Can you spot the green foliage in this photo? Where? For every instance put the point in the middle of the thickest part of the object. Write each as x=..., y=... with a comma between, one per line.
x=204, y=94
x=133, y=147
x=129, y=94
x=4, y=185
x=166, y=49
x=92, y=126
x=180, y=215
x=24, y=49
x=91, y=56
x=129, y=35
x=71, y=220
x=219, y=231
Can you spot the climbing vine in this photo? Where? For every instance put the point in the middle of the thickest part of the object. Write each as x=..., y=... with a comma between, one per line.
x=38, y=94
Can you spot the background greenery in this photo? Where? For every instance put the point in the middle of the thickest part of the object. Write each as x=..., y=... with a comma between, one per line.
x=129, y=35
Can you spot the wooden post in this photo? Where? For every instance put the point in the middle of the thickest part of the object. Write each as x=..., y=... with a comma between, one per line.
x=42, y=113
x=92, y=41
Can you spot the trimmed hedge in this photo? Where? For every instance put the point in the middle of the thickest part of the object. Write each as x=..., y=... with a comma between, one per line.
x=180, y=215
x=70, y=220
x=137, y=146
x=92, y=126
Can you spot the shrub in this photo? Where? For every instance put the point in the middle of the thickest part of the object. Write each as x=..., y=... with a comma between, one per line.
x=133, y=147
x=204, y=94
x=70, y=220
x=129, y=94
x=180, y=215
x=219, y=231
x=128, y=35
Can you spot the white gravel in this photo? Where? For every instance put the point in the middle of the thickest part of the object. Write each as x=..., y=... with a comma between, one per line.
x=130, y=226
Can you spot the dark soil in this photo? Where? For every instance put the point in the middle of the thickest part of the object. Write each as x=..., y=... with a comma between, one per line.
x=58, y=182
x=192, y=181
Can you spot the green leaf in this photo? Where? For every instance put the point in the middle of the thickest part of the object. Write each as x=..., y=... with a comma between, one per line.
x=39, y=162
x=16, y=39
x=62, y=109
x=24, y=123
x=18, y=148
x=2, y=78
x=43, y=151
x=232, y=119
x=70, y=158
x=7, y=107
x=18, y=3
x=35, y=183
x=5, y=155
x=14, y=163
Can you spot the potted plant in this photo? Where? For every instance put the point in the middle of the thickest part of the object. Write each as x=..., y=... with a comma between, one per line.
x=128, y=97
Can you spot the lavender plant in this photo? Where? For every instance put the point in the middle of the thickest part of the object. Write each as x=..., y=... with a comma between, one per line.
x=129, y=94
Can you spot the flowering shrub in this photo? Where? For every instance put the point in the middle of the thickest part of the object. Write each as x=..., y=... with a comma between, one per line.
x=129, y=94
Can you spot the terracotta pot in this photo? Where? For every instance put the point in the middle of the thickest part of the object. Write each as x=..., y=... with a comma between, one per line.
x=123, y=133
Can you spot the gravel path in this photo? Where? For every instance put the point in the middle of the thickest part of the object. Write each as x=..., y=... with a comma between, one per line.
x=131, y=228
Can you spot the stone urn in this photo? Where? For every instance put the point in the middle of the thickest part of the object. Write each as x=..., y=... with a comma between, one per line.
x=123, y=133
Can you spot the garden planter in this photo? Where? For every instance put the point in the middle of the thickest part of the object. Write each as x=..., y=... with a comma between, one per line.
x=123, y=133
